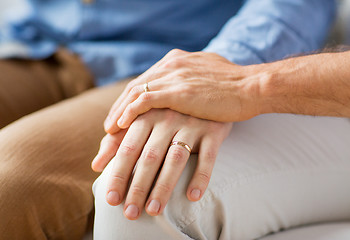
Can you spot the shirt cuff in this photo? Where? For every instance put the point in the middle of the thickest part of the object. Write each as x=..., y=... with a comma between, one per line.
x=235, y=52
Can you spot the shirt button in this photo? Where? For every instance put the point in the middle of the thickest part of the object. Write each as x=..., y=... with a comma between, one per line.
x=87, y=1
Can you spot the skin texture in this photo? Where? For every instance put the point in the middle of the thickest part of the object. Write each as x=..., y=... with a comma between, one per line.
x=207, y=86
x=203, y=85
x=317, y=85
x=146, y=144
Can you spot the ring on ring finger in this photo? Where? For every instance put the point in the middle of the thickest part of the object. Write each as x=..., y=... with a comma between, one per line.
x=145, y=87
x=182, y=144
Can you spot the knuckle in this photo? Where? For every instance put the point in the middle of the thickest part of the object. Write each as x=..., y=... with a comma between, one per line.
x=130, y=85
x=141, y=122
x=107, y=147
x=175, y=52
x=186, y=90
x=130, y=109
x=151, y=156
x=147, y=117
x=137, y=190
x=173, y=63
x=170, y=116
x=182, y=74
x=193, y=122
x=163, y=188
x=145, y=97
x=204, y=177
x=210, y=156
x=178, y=155
x=127, y=149
x=119, y=178
x=134, y=91
x=213, y=128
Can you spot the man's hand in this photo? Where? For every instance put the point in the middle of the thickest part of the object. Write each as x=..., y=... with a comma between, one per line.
x=203, y=85
x=145, y=149
x=207, y=86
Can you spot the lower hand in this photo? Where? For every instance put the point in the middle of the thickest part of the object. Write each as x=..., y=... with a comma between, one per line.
x=146, y=144
x=203, y=85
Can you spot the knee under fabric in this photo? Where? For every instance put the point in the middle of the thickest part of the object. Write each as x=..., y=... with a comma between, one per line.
x=273, y=172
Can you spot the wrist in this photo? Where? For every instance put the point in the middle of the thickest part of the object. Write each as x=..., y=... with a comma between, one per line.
x=284, y=86
x=253, y=97
x=260, y=89
x=276, y=88
x=310, y=85
x=272, y=91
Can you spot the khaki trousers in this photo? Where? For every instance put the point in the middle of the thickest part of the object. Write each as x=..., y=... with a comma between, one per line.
x=45, y=175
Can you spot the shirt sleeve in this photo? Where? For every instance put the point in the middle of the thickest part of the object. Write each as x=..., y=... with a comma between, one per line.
x=269, y=30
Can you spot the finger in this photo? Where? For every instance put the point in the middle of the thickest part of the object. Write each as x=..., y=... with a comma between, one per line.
x=110, y=121
x=108, y=148
x=131, y=92
x=125, y=160
x=147, y=76
x=208, y=151
x=145, y=102
x=134, y=92
x=150, y=75
x=170, y=173
x=148, y=166
x=137, y=91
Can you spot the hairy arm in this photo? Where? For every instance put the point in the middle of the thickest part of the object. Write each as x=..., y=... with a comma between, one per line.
x=313, y=85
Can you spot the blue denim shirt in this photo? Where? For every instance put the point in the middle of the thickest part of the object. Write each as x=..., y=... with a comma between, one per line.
x=121, y=38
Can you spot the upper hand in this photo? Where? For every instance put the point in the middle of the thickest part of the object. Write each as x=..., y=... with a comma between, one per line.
x=203, y=85
x=146, y=144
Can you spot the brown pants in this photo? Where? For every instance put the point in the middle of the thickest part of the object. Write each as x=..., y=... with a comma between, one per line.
x=45, y=175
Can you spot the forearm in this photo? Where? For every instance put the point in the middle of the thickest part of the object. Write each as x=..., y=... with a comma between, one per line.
x=312, y=85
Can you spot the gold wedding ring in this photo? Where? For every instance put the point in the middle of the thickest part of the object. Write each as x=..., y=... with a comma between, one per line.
x=145, y=87
x=182, y=144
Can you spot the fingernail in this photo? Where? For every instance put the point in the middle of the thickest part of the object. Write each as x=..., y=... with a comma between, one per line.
x=154, y=206
x=121, y=121
x=195, y=194
x=132, y=211
x=113, y=198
